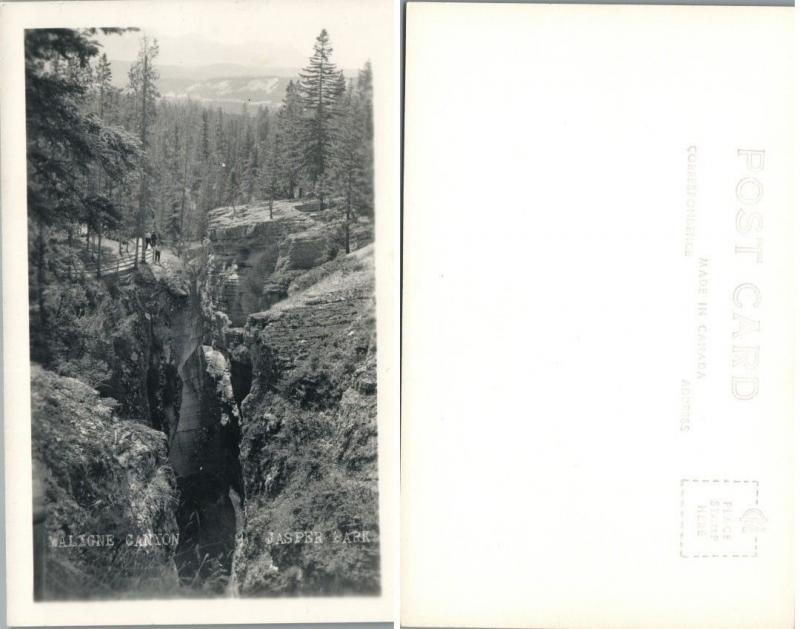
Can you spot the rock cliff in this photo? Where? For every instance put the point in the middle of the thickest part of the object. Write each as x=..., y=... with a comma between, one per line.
x=309, y=438
x=106, y=497
x=254, y=258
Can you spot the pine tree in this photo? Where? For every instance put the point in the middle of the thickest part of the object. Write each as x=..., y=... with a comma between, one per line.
x=204, y=150
x=321, y=86
x=65, y=144
x=262, y=125
x=142, y=79
x=273, y=171
x=249, y=184
x=354, y=151
x=349, y=163
x=102, y=212
x=233, y=189
x=171, y=172
x=185, y=185
x=103, y=84
x=247, y=158
x=220, y=159
x=365, y=192
x=289, y=134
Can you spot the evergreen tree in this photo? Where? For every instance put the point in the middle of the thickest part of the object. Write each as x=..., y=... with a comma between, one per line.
x=142, y=79
x=350, y=158
x=365, y=96
x=185, y=184
x=65, y=143
x=365, y=192
x=273, y=171
x=102, y=212
x=220, y=162
x=233, y=189
x=354, y=151
x=204, y=150
x=249, y=185
x=289, y=134
x=262, y=125
x=103, y=84
x=321, y=85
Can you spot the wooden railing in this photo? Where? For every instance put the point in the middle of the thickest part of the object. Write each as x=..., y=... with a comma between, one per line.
x=122, y=265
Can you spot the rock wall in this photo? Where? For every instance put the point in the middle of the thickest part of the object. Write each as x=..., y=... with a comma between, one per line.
x=243, y=253
x=106, y=497
x=253, y=259
x=309, y=440
x=149, y=327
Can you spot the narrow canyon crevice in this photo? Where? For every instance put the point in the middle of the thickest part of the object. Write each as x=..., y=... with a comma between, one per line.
x=192, y=400
x=241, y=379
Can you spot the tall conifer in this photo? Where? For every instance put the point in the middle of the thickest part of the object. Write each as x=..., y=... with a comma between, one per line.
x=142, y=79
x=321, y=85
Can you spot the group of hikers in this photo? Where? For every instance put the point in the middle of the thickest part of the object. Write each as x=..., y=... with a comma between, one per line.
x=150, y=240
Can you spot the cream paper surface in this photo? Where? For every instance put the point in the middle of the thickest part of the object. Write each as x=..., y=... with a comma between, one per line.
x=377, y=26
x=598, y=317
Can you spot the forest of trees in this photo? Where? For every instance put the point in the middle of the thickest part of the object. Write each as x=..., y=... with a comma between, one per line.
x=107, y=161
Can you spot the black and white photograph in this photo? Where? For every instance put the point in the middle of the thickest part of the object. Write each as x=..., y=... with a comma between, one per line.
x=202, y=329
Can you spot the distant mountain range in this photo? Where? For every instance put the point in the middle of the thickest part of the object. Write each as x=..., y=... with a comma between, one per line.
x=229, y=92
x=224, y=85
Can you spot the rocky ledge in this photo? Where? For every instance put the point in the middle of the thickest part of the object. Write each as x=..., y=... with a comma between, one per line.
x=253, y=258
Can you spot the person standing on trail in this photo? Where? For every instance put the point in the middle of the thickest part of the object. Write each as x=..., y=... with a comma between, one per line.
x=157, y=254
x=146, y=240
x=153, y=237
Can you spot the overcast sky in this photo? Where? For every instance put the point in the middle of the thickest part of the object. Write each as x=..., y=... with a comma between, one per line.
x=264, y=34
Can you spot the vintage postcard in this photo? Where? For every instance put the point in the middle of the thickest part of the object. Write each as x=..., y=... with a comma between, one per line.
x=201, y=307
x=598, y=364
